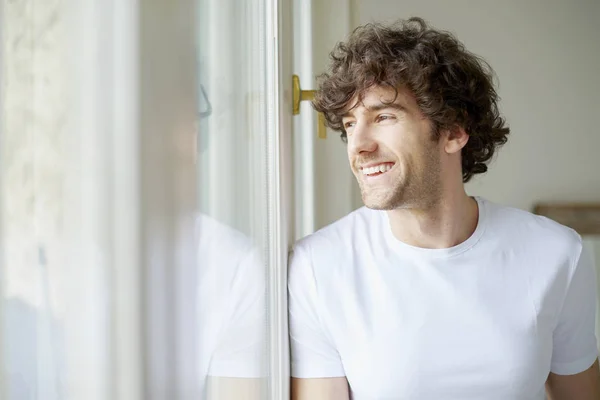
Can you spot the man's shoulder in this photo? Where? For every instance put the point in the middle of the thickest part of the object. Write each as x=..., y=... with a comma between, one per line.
x=343, y=227
x=326, y=254
x=343, y=232
x=531, y=229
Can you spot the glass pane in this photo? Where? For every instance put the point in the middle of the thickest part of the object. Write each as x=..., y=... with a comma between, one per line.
x=233, y=204
x=54, y=292
x=96, y=164
x=97, y=298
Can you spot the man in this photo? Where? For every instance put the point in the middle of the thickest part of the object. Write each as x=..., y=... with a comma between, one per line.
x=427, y=293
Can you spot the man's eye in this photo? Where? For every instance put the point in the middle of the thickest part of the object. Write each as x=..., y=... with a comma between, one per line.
x=384, y=118
x=349, y=124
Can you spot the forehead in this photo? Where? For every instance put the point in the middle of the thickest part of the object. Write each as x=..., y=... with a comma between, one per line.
x=377, y=97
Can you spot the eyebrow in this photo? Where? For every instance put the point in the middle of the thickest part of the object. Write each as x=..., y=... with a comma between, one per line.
x=378, y=107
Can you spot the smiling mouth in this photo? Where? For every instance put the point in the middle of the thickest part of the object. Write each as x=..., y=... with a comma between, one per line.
x=376, y=170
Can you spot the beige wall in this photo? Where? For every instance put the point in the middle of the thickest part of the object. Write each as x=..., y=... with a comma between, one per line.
x=547, y=58
x=335, y=187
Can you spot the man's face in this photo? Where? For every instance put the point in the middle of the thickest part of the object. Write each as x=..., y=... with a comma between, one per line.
x=392, y=151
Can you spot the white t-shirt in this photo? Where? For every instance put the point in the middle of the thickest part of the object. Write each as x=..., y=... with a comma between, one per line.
x=231, y=303
x=486, y=319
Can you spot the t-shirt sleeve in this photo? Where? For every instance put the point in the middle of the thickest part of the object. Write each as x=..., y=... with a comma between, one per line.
x=313, y=354
x=241, y=350
x=575, y=346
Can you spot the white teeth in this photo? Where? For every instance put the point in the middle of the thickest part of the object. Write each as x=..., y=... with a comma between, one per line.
x=376, y=169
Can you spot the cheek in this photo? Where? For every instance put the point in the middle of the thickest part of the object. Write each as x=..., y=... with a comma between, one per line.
x=399, y=149
x=428, y=161
x=397, y=139
x=414, y=158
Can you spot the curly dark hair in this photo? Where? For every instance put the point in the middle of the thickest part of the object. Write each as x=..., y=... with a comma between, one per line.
x=452, y=86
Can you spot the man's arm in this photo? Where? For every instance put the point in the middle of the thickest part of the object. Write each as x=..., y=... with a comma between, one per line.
x=574, y=364
x=320, y=389
x=317, y=370
x=582, y=386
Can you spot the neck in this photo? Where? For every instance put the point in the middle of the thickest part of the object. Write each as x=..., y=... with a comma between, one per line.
x=446, y=223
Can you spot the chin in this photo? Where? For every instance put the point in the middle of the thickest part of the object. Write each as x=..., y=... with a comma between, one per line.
x=378, y=207
x=379, y=203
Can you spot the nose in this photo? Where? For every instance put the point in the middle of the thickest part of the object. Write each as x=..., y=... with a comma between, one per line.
x=361, y=140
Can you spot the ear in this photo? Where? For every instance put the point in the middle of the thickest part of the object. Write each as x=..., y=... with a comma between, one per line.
x=456, y=139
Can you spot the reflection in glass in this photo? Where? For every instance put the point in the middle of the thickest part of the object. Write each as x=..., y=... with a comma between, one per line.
x=233, y=223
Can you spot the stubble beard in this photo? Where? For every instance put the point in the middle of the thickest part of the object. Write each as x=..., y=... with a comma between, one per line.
x=419, y=189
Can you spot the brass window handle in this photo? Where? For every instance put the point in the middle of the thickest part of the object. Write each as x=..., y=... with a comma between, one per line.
x=302, y=95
